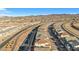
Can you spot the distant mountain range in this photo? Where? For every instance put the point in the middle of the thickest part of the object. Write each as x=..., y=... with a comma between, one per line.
x=43, y=18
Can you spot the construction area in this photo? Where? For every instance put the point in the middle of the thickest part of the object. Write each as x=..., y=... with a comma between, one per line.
x=40, y=33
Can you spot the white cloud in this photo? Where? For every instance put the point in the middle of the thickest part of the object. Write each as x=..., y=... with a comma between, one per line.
x=5, y=15
x=4, y=12
x=2, y=9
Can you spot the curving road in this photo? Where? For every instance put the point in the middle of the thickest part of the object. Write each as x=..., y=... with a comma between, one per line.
x=67, y=27
x=28, y=43
x=15, y=39
x=62, y=44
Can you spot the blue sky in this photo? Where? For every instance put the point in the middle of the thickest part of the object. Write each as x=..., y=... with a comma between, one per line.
x=36, y=11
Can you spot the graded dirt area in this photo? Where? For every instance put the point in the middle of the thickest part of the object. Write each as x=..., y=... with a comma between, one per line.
x=75, y=25
x=11, y=25
x=43, y=41
x=15, y=42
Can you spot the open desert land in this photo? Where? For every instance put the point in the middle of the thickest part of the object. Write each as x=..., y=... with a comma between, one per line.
x=58, y=32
